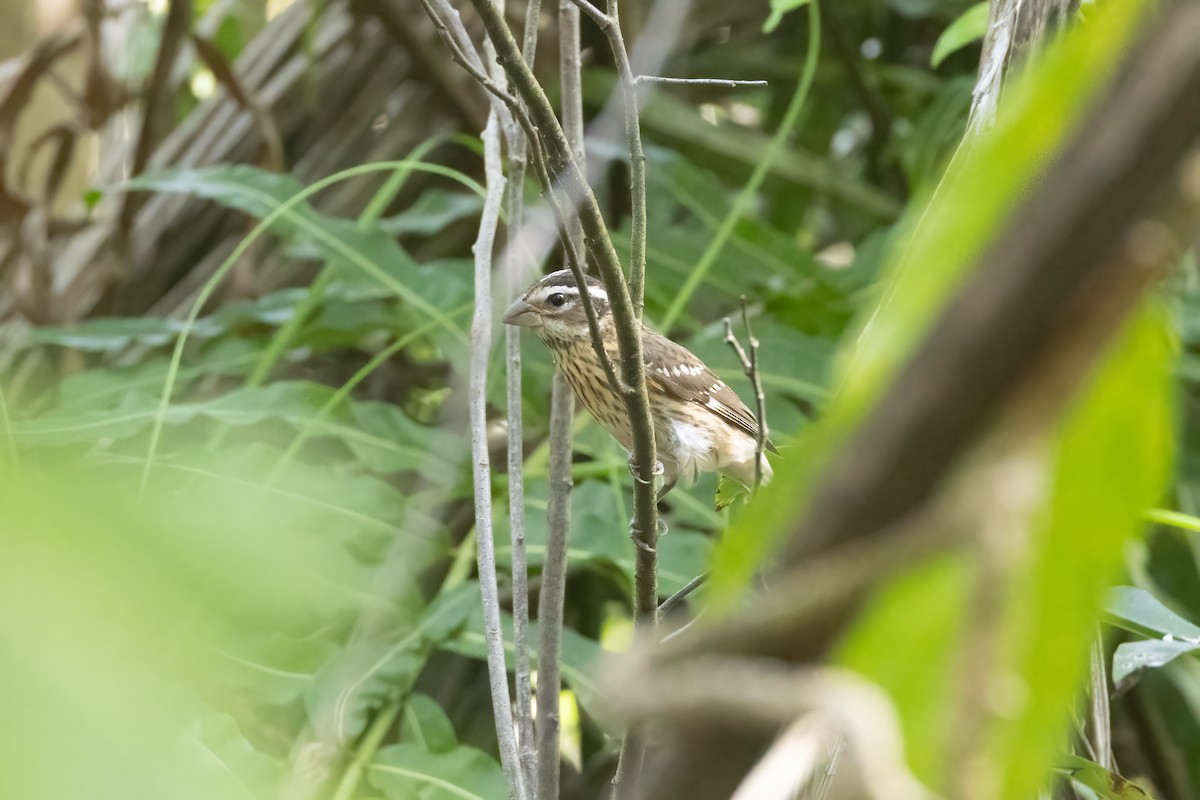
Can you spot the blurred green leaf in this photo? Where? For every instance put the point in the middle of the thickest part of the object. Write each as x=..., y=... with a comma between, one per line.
x=103, y=605
x=371, y=673
x=107, y=334
x=425, y=725
x=408, y=772
x=963, y=31
x=433, y=211
x=378, y=433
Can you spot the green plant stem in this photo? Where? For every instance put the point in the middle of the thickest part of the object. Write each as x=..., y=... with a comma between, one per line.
x=367, y=748
x=210, y=286
x=745, y=198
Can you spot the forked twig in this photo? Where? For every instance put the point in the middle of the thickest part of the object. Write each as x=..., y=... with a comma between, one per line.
x=750, y=367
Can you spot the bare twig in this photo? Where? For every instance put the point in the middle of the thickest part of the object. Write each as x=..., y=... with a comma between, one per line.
x=481, y=340
x=554, y=584
x=533, y=16
x=629, y=764
x=642, y=80
x=562, y=410
x=637, y=160
x=667, y=605
x=514, y=278
x=750, y=367
x=603, y=21
x=449, y=26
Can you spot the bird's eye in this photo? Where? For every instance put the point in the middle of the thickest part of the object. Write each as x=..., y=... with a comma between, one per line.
x=558, y=299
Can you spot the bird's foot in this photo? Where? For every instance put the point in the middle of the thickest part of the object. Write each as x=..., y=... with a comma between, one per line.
x=659, y=471
x=635, y=533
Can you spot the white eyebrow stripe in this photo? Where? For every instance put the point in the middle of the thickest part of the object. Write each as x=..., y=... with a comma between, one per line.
x=545, y=292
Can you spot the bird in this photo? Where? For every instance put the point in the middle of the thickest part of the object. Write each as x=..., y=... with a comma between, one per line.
x=700, y=423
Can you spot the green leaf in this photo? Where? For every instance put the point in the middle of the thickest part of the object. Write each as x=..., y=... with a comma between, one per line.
x=916, y=667
x=778, y=9
x=1106, y=785
x=1139, y=611
x=967, y=28
x=273, y=668
x=339, y=241
x=1132, y=657
x=371, y=673
x=377, y=433
x=229, y=766
x=728, y=492
x=426, y=725
x=434, y=210
x=408, y=772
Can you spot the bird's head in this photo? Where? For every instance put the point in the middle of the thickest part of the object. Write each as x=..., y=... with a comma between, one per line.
x=552, y=308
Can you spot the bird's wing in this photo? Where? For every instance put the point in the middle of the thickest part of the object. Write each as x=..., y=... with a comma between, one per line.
x=674, y=371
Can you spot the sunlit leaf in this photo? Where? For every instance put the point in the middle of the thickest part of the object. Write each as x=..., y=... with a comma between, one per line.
x=1106, y=785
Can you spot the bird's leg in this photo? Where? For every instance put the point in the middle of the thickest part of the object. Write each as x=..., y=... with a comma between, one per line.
x=666, y=486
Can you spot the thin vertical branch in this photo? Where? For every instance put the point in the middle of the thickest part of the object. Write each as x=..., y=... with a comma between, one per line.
x=760, y=399
x=514, y=278
x=481, y=342
x=637, y=160
x=562, y=410
x=553, y=593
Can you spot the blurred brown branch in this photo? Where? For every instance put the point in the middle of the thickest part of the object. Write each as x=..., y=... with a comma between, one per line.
x=1013, y=345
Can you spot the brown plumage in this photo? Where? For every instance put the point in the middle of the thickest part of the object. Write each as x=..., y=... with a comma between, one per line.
x=700, y=424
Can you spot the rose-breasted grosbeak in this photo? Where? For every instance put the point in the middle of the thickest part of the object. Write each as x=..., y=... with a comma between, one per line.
x=700, y=424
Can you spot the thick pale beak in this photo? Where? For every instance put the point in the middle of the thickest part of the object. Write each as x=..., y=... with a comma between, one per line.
x=522, y=315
